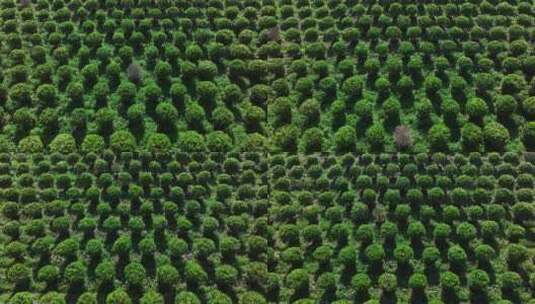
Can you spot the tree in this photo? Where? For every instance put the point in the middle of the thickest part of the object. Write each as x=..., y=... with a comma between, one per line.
x=46, y=94
x=53, y=298
x=158, y=143
x=23, y=297
x=506, y=105
x=345, y=139
x=18, y=274
x=48, y=274
x=135, y=274
x=361, y=282
x=251, y=297
x=105, y=272
x=476, y=108
x=471, y=137
x=439, y=137
x=68, y=249
x=298, y=279
x=151, y=297
x=187, y=297
x=122, y=141
x=75, y=273
x=226, y=275
x=191, y=141
x=457, y=256
x=93, y=143
x=516, y=254
x=312, y=140
x=375, y=253
x=162, y=71
x=449, y=280
x=167, y=115
x=167, y=276
x=286, y=138
x=375, y=136
x=352, y=87
x=418, y=281
x=118, y=296
x=495, y=136
x=194, y=273
x=432, y=85
x=403, y=254
x=510, y=280
x=388, y=282
x=478, y=280
x=207, y=92
x=63, y=143
x=218, y=141
x=31, y=144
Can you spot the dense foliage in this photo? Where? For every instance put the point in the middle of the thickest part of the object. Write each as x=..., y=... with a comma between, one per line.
x=267, y=151
x=290, y=75
x=253, y=228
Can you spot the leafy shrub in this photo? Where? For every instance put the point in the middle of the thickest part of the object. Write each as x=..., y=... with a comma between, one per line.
x=345, y=139
x=31, y=144
x=122, y=141
x=158, y=143
x=93, y=143
x=495, y=136
x=191, y=141
x=63, y=143
x=438, y=137
x=476, y=108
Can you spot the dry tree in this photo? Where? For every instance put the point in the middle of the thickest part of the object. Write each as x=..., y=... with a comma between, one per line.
x=274, y=34
x=135, y=73
x=402, y=137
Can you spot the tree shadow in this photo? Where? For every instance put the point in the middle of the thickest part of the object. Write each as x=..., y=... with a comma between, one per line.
x=388, y=298
x=432, y=274
x=478, y=296
x=403, y=273
x=103, y=291
x=138, y=129
x=347, y=274
x=73, y=292
x=407, y=100
x=149, y=263
x=121, y=264
x=449, y=296
x=361, y=297
x=511, y=295
x=299, y=294
x=418, y=296
x=418, y=247
x=510, y=124
x=328, y=296
x=169, y=295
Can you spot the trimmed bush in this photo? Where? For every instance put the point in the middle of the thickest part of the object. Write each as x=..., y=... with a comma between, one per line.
x=158, y=143
x=191, y=141
x=495, y=136
x=439, y=137
x=63, y=143
x=122, y=141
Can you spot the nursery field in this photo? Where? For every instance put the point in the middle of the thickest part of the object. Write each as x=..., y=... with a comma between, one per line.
x=267, y=151
x=254, y=228
x=275, y=75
